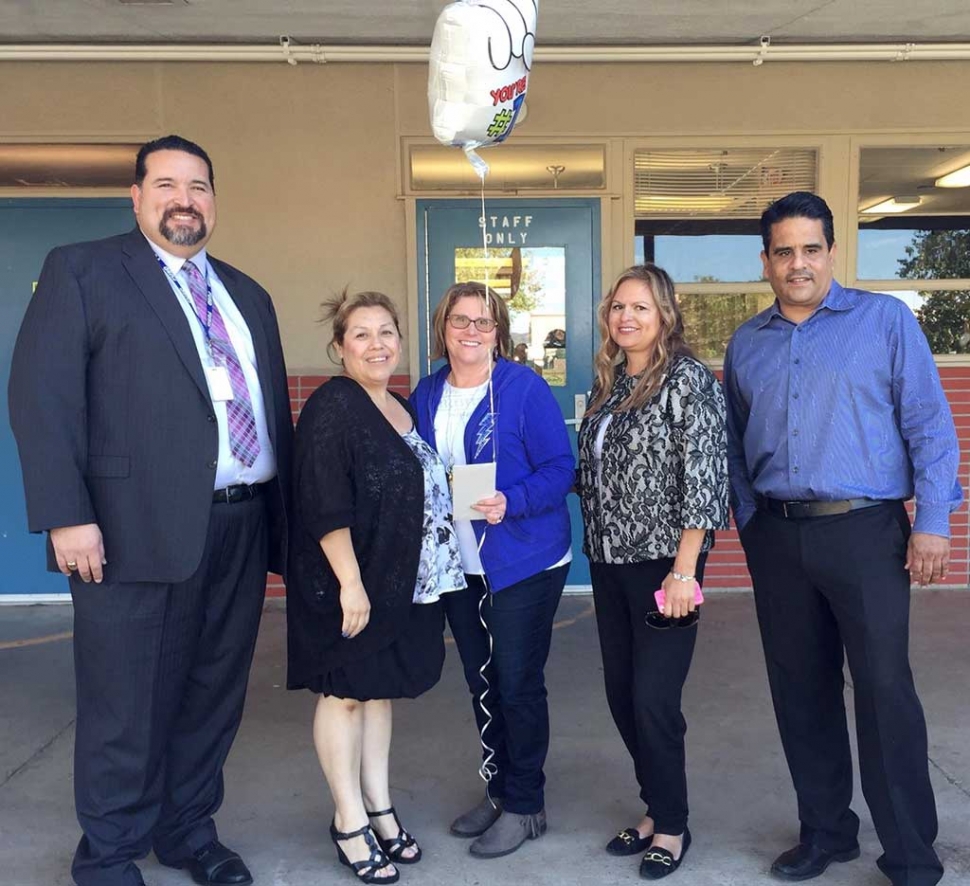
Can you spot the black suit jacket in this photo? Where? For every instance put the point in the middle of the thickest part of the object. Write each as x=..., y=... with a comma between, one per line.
x=112, y=415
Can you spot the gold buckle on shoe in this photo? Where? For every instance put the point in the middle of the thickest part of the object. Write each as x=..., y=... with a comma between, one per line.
x=659, y=857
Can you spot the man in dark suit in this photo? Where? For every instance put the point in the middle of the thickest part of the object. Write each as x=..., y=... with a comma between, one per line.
x=149, y=402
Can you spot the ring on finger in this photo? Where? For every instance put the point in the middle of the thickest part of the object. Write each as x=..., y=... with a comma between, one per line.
x=72, y=565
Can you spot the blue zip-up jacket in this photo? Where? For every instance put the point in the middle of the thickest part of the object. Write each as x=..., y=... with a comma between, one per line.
x=535, y=469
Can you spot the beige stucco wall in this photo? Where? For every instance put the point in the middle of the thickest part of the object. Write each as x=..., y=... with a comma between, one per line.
x=307, y=157
x=662, y=99
x=305, y=161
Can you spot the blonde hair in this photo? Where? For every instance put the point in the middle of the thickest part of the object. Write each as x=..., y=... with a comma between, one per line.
x=495, y=305
x=337, y=311
x=670, y=344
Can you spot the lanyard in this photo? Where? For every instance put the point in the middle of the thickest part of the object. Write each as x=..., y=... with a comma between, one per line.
x=207, y=323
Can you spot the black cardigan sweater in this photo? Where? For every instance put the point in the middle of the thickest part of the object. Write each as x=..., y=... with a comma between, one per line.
x=351, y=469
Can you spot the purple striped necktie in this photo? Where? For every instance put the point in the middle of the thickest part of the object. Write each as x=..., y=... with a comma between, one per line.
x=243, y=442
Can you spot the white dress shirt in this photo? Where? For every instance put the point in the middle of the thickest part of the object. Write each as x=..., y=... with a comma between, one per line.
x=229, y=471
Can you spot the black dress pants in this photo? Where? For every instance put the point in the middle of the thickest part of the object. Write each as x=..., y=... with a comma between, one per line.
x=161, y=674
x=645, y=670
x=823, y=585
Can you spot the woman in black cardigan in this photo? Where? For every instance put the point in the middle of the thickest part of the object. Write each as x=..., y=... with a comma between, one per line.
x=372, y=547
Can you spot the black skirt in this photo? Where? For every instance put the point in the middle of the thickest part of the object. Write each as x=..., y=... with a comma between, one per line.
x=406, y=668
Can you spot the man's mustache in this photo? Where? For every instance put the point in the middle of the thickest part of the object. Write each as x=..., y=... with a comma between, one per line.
x=179, y=210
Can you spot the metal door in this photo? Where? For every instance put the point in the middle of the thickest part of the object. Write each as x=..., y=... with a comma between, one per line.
x=29, y=229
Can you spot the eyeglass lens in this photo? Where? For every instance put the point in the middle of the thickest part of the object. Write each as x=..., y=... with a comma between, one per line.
x=482, y=324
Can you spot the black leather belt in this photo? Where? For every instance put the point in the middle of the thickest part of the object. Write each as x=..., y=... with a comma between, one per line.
x=800, y=510
x=232, y=495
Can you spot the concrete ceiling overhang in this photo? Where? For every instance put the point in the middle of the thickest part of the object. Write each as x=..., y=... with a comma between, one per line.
x=409, y=23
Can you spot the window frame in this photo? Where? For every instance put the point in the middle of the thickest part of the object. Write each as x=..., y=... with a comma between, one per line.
x=850, y=244
x=851, y=247
x=839, y=156
x=822, y=145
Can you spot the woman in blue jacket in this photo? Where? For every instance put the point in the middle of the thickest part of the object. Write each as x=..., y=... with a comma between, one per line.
x=515, y=559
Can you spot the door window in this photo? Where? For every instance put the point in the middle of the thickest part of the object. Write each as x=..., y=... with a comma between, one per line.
x=532, y=280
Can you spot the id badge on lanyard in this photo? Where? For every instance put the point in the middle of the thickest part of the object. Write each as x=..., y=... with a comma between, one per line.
x=216, y=375
x=220, y=385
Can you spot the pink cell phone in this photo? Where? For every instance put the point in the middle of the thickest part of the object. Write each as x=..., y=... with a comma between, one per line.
x=661, y=597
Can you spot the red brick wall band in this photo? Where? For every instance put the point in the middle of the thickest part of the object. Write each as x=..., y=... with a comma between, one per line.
x=725, y=567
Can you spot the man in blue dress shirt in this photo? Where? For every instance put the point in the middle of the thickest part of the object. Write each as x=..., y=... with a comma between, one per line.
x=836, y=416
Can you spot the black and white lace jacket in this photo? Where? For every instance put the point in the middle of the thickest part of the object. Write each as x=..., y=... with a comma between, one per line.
x=664, y=468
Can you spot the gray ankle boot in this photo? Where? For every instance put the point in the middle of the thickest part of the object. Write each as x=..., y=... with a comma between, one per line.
x=478, y=820
x=508, y=834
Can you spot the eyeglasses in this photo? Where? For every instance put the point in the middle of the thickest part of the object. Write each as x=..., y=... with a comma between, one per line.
x=659, y=622
x=482, y=324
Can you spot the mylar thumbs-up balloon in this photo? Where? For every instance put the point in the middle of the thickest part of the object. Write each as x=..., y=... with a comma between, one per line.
x=481, y=56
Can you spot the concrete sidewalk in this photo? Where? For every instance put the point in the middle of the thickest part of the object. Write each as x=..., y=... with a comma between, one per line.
x=277, y=807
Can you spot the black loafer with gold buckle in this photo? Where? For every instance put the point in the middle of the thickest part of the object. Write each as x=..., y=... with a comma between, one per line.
x=659, y=863
x=628, y=842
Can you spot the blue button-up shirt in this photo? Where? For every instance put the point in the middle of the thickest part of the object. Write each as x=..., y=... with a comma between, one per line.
x=846, y=404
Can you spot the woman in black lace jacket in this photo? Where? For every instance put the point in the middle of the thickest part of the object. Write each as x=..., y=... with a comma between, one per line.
x=653, y=488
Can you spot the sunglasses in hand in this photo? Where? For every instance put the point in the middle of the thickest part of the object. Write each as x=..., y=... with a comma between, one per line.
x=658, y=621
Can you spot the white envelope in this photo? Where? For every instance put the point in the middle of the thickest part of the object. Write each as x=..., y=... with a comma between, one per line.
x=470, y=484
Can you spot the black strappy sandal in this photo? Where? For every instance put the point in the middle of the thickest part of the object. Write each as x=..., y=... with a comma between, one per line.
x=366, y=870
x=396, y=846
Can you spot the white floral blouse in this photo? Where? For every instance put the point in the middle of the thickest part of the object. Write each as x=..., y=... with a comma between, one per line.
x=439, y=566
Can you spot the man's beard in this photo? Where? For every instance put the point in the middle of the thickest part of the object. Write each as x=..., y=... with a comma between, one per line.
x=182, y=235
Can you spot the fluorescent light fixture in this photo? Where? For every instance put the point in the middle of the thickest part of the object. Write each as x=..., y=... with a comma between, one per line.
x=893, y=204
x=683, y=202
x=959, y=178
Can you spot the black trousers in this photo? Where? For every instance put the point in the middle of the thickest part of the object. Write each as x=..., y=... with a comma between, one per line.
x=161, y=676
x=823, y=585
x=645, y=670
x=520, y=620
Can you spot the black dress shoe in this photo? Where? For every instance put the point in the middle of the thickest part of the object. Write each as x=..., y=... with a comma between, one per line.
x=806, y=861
x=215, y=865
